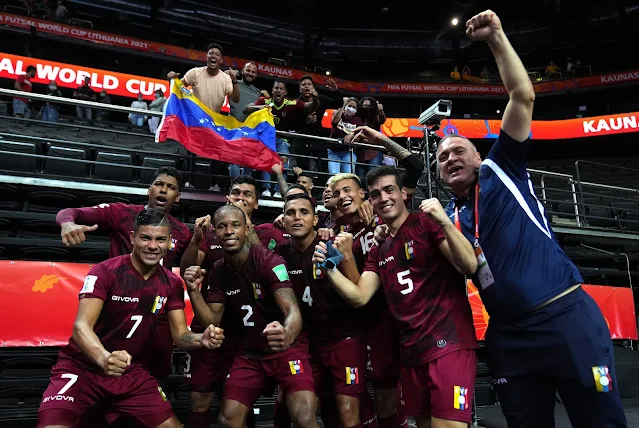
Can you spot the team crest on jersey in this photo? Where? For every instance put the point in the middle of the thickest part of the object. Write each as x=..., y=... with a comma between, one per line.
x=173, y=244
x=352, y=376
x=317, y=272
x=296, y=367
x=461, y=398
x=409, y=250
x=603, y=380
x=376, y=221
x=258, y=293
x=158, y=302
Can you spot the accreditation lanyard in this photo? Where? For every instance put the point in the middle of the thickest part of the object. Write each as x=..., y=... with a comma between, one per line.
x=476, y=215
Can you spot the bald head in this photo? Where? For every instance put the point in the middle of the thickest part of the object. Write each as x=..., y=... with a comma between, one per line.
x=228, y=210
x=458, y=160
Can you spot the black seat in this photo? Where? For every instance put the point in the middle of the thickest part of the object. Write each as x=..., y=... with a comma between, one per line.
x=49, y=201
x=6, y=228
x=201, y=177
x=149, y=162
x=113, y=172
x=92, y=255
x=199, y=210
x=16, y=161
x=11, y=198
x=4, y=253
x=52, y=254
x=64, y=167
x=40, y=229
x=105, y=198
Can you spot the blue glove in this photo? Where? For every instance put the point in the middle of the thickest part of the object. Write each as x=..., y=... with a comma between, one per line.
x=333, y=257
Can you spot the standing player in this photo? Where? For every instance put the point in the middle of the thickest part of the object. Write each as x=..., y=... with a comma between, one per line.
x=117, y=219
x=420, y=269
x=546, y=334
x=120, y=304
x=380, y=333
x=251, y=286
x=338, y=354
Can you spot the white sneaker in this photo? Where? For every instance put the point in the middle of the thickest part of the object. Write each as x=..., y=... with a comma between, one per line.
x=277, y=195
x=266, y=193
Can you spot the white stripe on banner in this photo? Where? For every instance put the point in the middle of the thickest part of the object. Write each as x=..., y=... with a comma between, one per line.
x=518, y=196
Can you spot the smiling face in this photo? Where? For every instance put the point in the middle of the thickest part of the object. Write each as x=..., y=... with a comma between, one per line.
x=458, y=161
x=230, y=229
x=164, y=192
x=299, y=218
x=150, y=243
x=213, y=59
x=349, y=195
x=246, y=195
x=387, y=198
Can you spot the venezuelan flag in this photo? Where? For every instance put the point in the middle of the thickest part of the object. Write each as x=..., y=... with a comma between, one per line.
x=296, y=367
x=461, y=398
x=352, y=376
x=603, y=380
x=215, y=136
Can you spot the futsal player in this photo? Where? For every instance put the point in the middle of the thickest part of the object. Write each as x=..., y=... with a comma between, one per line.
x=251, y=286
x=117, y=219
x=121, y=302
x=420, y=268
x=338, y=353
x=546, y=334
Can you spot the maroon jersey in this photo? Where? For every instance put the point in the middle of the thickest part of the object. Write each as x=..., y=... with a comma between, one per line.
x=132, y=306
x=118, y=220
x=327, y=317
x=424, y=292
x=248, y=296
x=272, y=236
x=324, y=220
x=288, y=114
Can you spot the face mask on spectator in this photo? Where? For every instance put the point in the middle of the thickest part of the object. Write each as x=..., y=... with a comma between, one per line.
x=351, y=110
x=102, y=95
x=53, y=87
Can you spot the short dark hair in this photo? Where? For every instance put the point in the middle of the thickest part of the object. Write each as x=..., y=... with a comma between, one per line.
x=295, y=186
x=151, y=217
x=215, y=46
x=223, y=209
x=31, y=68
x=298, y=196
x=384, y=171
x=275, y=82
x=306, y=174
x=371, y=99
x=306, y=77
x=171, y=172
x=245, y=179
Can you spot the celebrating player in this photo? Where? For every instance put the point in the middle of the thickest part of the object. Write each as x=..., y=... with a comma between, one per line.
x=338, y=353
x=251, y=286
x=420, y=267
x=120, y=304
x=117, y=219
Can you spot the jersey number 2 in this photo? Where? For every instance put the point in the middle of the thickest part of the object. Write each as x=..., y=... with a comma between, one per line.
x=306, y=297
x=403, y=279
x=249, y=313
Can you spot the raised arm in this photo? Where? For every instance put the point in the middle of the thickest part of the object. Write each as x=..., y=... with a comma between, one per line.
x=193, y=256
x=74, y=222
x=205, y=313
x=518, y=112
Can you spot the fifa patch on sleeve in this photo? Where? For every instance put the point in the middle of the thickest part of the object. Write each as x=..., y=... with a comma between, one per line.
x=89, y=284
x=272, y=244
x=280, y=272
x=461, y=398
x=296, y=367
x=352, y=376
x=603, y=381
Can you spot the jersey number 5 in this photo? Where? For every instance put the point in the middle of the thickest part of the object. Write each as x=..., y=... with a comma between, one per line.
x=247, y=317
x=403, y=279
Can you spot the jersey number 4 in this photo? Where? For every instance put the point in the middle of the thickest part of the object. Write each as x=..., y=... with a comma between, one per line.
x=403, y=279
x=306, y=297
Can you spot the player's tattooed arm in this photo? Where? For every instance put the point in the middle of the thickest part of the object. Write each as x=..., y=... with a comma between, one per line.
x=185, y=339
x=288, y=304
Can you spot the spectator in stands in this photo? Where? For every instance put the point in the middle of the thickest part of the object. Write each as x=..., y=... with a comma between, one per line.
x=570, y=67
x=578, y=68
x=288, y=115
x=23, y=83
x=344, y=121
x=373, y=116
x=485, y=73
x=313, y=122
x=455, y=74
x=138, y=119
x=85, y=93
x=249, y=93
x=61, y=12
x=156, y=105
x=49, y=111
x=105, y=98
x=551, y=70
x=466, y=71
x=211, y=86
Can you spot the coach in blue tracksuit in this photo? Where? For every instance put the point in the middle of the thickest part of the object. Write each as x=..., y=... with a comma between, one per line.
x=546, y=334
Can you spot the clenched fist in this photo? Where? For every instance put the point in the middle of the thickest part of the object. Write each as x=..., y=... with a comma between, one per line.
x=483, y=26
x=212, y=337
x=276, y=336
x=434, y=210
x=116, y=363
x=193, y=277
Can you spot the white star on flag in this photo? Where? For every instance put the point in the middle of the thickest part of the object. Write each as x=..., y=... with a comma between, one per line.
x=202, y=121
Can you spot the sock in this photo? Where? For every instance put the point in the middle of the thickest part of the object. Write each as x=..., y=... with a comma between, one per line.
x=250, y=419
x=367, y=411
x=199, y=419
x=281, y=418
x=389, y=422
x=328, y=412
x=402, y=418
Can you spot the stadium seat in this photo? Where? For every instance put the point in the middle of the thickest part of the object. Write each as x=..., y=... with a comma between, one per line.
x=155, y=163
x=196, y=211
x=10, y=197
x=63, y=167
x=43, y=253
x=40, y=229
x=90, y=255
x=111, y=172
x=104, y=198
x=49, y=201
x=201, y=178
x=6, y=228
x=4, y=253
x=17, y=162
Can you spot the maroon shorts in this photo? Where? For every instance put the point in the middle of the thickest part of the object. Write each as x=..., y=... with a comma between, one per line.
x=442, y=388
x=291, y=370
x=72, y=390
x=206, y=369
x=157, y=357
x=341, y=370
x=382, y=343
